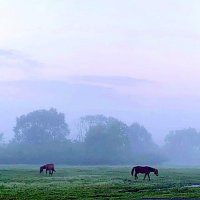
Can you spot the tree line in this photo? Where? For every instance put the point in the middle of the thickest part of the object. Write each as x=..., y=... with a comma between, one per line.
x=43, y=136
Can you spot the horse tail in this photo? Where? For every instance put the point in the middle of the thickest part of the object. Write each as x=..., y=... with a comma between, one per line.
x=132, y=171
x=54, y=170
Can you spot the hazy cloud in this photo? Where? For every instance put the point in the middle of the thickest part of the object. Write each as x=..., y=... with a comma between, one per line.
x=16, y=66
x=13, y=58
x=110, y=80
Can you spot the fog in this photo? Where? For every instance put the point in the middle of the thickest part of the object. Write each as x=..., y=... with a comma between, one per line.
x=79, y=96
x=136, y=62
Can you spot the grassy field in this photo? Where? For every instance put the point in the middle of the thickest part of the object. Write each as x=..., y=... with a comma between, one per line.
x=25, y=182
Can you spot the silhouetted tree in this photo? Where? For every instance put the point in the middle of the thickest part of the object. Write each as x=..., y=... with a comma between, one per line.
x=87, y=122
x=142, y=147
x=183, y=146
x=140, y=138
x=106, y=140
x=41, y=126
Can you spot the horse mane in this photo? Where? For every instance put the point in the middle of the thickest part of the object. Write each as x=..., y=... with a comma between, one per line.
x=43, y=167
x=152, y=169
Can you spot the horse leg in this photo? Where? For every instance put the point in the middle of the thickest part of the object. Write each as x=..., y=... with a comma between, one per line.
x=145, y=176
x=136, y=177
x=149, y=177
x=46, y=171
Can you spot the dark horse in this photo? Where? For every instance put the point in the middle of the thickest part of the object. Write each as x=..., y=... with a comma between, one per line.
x=144, y=170
x=48, y=167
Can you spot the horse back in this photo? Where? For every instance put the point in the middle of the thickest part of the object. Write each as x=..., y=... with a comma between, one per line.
x=50, y=166
x=141, y=169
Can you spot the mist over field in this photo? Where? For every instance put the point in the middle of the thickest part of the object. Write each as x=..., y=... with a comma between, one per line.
x=100, y=82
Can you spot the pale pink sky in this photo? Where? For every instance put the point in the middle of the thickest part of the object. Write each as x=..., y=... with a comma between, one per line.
x=156, y=41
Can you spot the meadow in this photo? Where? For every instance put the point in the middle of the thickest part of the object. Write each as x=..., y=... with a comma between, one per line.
x=97, y=182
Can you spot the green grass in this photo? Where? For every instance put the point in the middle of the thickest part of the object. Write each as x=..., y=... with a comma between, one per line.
x=25, y=182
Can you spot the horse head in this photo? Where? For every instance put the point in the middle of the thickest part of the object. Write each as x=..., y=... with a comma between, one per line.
x=41, y=169
x=156, y=172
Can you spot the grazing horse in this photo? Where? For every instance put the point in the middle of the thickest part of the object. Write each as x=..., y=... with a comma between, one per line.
x=48, y=167
x=143, y=170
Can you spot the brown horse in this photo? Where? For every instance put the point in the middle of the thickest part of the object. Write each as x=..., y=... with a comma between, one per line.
x=143, y=170
x=48, y=167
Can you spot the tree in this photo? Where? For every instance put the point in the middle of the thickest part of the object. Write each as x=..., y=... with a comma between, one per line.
x=140, y=138
x=141, y=145
x=41, y=126
x=87, y=122
x=106, y=140
x=183, y=146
